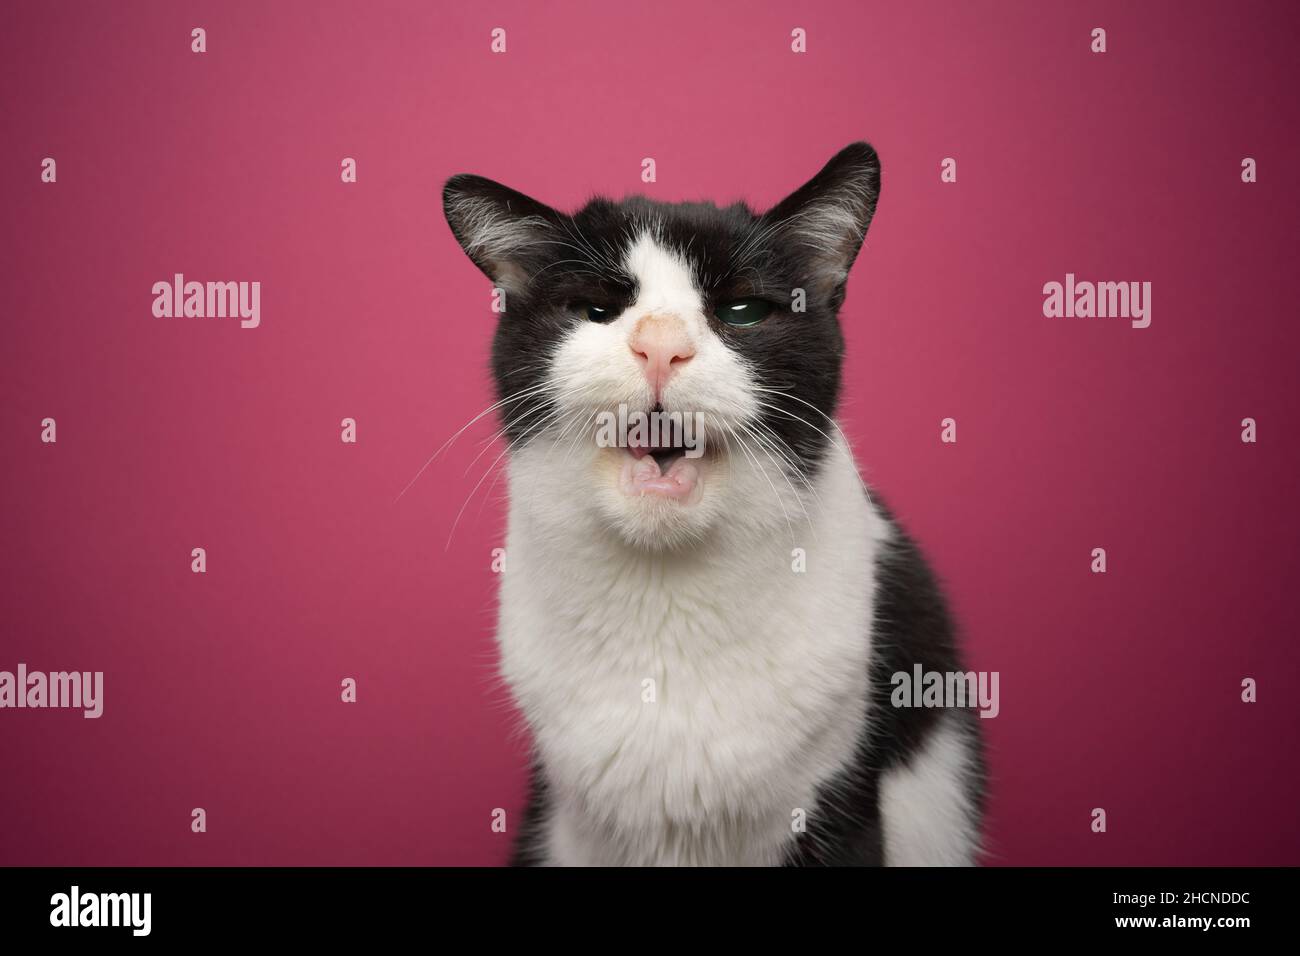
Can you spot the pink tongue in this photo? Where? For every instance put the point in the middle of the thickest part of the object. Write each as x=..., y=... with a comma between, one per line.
x=641, y=476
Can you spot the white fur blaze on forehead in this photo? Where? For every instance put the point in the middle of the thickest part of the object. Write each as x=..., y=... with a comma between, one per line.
x=664, y=281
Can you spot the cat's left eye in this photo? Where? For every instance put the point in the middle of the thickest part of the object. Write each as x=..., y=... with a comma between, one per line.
x=744, y=312
x=596, y=313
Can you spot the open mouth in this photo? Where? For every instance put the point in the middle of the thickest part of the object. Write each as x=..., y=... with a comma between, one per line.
x=661, y=471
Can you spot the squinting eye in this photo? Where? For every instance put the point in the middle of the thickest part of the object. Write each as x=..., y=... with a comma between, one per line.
x=743, y=312
x=596, y=313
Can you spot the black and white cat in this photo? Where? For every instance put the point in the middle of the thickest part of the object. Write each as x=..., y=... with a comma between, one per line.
x=699, y=691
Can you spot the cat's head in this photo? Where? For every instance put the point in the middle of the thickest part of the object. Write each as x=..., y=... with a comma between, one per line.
x=666, y=367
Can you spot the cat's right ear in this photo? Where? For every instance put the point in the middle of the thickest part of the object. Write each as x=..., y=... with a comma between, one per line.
x=507, y=234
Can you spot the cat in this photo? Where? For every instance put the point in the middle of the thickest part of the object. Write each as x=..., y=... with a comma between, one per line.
x=702, y=647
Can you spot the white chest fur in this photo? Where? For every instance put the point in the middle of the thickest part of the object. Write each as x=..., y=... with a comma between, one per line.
x=686, y=706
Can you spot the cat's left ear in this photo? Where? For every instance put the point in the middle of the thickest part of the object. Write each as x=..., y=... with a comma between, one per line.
x=825, y=220
x=506, y=234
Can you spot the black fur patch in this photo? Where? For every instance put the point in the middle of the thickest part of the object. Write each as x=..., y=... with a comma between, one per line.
x=528, y=849
x=911, y=626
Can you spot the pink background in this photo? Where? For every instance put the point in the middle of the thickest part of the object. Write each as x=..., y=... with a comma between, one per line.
x=222, y=690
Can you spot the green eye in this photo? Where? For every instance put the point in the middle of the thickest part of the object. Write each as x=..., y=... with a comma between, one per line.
x=744, y=312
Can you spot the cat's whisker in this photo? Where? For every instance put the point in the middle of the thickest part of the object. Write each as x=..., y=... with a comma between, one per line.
x=561, y=262
x=787, y=453
x=509, y=399
x=510, y=423
x=576, y=423
x=844, y=447
x=788, y=394
x=781, y=471
x=531, y=429
x=586, y=244
x=768, y=447
x=790, y=456
x=497, y=476
x=759, y=465
x=726, y=443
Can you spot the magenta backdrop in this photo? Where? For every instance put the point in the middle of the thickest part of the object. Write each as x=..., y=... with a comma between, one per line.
x=1119, y=690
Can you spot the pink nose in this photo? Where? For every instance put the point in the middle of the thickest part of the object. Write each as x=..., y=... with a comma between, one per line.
x=661, y=345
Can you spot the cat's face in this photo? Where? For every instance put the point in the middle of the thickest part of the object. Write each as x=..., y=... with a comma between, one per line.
x=666, y=367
